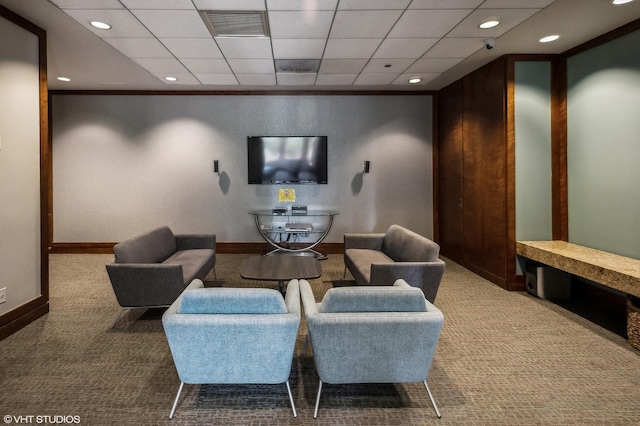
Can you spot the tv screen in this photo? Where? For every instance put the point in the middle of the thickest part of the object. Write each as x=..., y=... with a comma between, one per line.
x=287, y=159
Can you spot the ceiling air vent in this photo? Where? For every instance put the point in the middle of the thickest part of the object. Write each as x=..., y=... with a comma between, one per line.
x=297, y=65
x=224, y=23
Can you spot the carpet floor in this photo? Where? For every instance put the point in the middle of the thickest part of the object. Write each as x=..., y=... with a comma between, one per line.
x=503, y=358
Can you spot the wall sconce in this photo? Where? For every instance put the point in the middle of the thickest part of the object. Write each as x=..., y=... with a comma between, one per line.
x=216, y=166
x=367, y=166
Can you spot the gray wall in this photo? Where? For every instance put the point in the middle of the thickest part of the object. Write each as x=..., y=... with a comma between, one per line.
x=125, y=163
x=533, y=150
x=19, y=165
x=604, y=146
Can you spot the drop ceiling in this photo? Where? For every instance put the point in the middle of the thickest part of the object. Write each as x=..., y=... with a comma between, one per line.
x=347, y=45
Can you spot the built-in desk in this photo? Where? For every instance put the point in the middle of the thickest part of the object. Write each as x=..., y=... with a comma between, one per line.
x=611, y=270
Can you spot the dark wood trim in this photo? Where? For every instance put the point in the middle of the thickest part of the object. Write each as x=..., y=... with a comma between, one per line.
x=244, y=92
x=435, y=172
x=510, y=138
x=22, y=316
x=604, y=38
x=221, y=247
x=559, y=187
x=14, y=320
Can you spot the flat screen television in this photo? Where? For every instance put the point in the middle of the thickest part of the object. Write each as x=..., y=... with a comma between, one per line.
x=287, y=159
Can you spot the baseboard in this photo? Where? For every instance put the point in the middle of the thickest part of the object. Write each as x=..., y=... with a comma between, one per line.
x=22, y=316
x=221, y=247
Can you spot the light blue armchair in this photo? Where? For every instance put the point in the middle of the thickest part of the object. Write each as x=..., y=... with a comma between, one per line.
x=372, y=334
x=233, y=335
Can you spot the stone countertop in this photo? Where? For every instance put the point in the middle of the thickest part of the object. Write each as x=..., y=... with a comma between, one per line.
x=612, y=270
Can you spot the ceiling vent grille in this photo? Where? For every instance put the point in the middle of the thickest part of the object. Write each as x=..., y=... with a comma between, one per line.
x=224, y=23
x=297, y=65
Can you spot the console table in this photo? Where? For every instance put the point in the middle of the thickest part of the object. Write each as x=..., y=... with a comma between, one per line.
x=294, y=233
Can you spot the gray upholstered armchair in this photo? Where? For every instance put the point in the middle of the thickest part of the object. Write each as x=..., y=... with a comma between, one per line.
x=382, y=334
x=233, y=335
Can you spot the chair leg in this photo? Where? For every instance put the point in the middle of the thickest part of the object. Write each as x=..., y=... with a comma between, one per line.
x=175, y=403
x=117, y=318
x=433, y=401
x=315, y=413
x=293, y=405
x=344, y=273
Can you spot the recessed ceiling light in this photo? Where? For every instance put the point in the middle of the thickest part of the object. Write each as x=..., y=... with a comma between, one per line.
x=490, y=22
x=549, y=38
x=621, y=1
x=64, y=79
x=414, y=80
x=171, y=78
x=100, y=25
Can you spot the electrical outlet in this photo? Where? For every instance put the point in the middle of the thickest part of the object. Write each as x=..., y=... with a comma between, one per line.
x=3, y=295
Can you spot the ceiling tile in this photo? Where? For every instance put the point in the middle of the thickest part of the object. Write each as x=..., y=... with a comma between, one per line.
x=432, y=65
x=509, y=18
x=139, y=47
x=207, y=66
x=395, y=66
x=301, y=5
x=245, y=47
x=314, y=24
x=192, y=47
x=158, y=4
x=517, y=4
x=342, y=66
x=450, y=47
x=351, y=48
x=251, y=66
x=123, y=23
x=217, y=79
x=374, y=79
x=427, y=23
x=364, y=23
x=298, y=49
x=404, y=47
x=373, y=4
x=184, y=23
x=87, y=4
x=296, y=79
x=161, y=66
x=229, y=4
x=335, y=79
x=256, y=79
x=445, y=4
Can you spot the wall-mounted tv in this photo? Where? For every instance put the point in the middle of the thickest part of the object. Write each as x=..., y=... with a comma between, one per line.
x=287, y=159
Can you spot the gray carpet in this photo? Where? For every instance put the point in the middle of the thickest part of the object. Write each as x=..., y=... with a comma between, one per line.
x=503, y=358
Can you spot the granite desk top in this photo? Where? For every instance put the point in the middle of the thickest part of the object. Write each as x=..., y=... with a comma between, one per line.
x=619, y=272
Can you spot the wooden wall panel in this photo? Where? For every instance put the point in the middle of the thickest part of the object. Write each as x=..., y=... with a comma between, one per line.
x=485, y=171
x=449, y=181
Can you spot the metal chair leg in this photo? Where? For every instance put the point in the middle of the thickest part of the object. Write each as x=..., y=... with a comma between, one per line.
x=293, y=405
x=315, y=413
x=344, y=273
x=433, y=401
x=175, y=403
x=117, y=318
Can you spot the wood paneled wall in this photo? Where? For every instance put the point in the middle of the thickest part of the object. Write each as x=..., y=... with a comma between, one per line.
x=474, y=165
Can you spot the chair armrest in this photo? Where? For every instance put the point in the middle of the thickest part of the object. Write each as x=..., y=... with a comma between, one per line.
x=424, y=275
x=196, y=241
x=363, y=241
x=308, y=299
x=292, y=297
x=145, y=284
